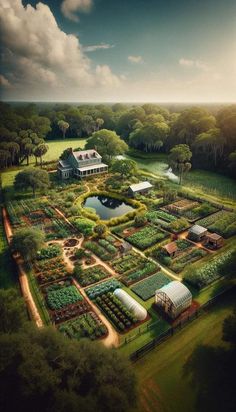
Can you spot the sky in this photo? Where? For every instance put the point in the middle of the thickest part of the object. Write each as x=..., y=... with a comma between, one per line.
x=118, y=51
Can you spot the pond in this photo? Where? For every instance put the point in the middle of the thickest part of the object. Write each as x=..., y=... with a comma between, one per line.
x=107, y=207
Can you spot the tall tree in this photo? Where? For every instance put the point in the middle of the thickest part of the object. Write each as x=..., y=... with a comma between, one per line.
x=124, y=167
x=179, y=159
x=31, y=178
x=64, y=126
x=13, y=311
x=40, y=151
x=212, y=142
x=107, y=143
x=27, y=242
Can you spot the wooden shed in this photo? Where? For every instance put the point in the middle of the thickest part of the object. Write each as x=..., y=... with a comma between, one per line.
x=171, y=249
x=139, y=188
x=214, y=241
x=197, y=233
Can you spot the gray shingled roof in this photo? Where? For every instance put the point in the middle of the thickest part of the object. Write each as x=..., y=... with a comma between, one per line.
x=197, y=229
x=140, y=186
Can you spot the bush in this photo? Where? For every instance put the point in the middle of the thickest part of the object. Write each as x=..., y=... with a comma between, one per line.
x=85, y=226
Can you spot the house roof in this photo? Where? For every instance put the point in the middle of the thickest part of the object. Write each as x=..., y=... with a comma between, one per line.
x=63, y=164
x=197, y=229
x=214, y=236
x=91, y=167
x=140, y=186
x=171, y=247
x=177, y=292
x=86, y=154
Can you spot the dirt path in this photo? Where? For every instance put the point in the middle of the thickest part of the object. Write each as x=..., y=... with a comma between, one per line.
x=112, y=339
x=23, y=279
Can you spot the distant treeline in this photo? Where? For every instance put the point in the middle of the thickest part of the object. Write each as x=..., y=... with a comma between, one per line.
x=210, y=131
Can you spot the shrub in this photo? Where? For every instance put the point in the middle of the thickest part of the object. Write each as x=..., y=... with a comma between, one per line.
x=84, y=226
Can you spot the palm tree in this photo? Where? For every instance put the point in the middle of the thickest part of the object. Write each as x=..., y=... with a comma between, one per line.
x=40, y=151
x=63, y=126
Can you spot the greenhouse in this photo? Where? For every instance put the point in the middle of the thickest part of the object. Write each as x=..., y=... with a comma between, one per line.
x=173, y=298
x=131, y=304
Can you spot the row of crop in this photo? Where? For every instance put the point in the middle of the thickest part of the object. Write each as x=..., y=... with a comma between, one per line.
x=116, y=311
x=98, y=250
x=188, y=257
x=109, y=286
x=225, y=226
x=91, y=275
x=127, y=262
x=49, y=252
x=57, y=299
x=87, y=325
x=147, y=287
x=220, y=265
x=146, y=237
x=69, y=312
x=107, y=245
x=160, y=214
x=140, y=273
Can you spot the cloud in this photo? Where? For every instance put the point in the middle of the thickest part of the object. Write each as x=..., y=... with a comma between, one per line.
x=199, y=64
x=40, y=59
x=135, y=59
x=70, y=7
x=95, y=47
x=4, y=82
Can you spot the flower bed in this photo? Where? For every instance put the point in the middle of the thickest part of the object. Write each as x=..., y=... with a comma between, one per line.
x=147, y=288
x=62, y=296
x=114, y=309
x=146, y=237
x=92, y=275
x=87, y=325
x=104, y=287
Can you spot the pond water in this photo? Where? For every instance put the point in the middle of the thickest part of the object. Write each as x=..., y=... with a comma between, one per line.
x=107, y=207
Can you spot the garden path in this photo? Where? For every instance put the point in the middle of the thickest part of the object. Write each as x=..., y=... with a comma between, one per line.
x=23, y=279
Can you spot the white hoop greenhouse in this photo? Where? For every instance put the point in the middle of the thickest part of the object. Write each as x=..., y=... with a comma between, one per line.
x=173, y=298
x=131, y=304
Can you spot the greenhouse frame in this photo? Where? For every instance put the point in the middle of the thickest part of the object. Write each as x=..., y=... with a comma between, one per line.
x=173, y=298
x=131, y=304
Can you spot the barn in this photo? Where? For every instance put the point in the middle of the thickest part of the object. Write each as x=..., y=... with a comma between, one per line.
x=173, y=298
x=139, y=188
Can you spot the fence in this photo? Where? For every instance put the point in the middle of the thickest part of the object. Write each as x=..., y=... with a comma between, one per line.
x=172, y=330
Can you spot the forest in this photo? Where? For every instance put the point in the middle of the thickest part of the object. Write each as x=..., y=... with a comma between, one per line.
x=210, y=132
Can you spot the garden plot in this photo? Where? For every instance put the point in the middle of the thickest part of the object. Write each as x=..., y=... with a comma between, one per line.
x=147, y=288
x=178, y=254
x=103, y=248
x=167, y=221
x=87, y=325
x=49, y=270
x=64, y=301
x=116, y=311
x=147, y=236
x=190, y=209
x=222, y=222
x=128, y=262
x=91, y=275
x=102, y=288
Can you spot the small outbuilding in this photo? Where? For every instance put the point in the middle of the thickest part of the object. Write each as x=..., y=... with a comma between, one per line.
x=171, y=249
x=214, y=241
x=173, y=298
x=139, y=188
x=125, y=247
x=131, y=304
x=197, y=233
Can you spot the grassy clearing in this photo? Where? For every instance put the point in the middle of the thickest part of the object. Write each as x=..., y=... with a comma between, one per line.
x=163, y=387
x=56, y=147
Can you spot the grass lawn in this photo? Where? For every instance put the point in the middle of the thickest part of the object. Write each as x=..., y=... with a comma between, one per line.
x=162, y=386
x=56, y=147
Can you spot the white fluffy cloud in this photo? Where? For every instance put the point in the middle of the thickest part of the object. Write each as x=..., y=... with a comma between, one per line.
x=199, y=64
x=40, y=58
x=70, y=7
x=95, y=47
x=135, y=59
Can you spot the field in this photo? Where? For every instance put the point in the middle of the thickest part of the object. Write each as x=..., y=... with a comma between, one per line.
x=147, y=288
x=163, y=387
x=56, y=147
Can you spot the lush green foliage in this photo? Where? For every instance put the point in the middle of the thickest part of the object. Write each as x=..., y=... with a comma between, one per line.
x=109, y=286
x=87, y=325
x=27, y=242
x=49, y=252
x=84, y=226
x=146, y=237
x=91, y=275
x=62, y=297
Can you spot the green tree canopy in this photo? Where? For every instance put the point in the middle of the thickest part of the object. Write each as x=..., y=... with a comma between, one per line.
x=13, y=311
x=179, y=159
x=28, y=241
x=107, y=143
x=124, y=167
x=31, y=178
x=51, y=373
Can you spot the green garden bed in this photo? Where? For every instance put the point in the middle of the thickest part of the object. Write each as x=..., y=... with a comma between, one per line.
x=147, y=288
